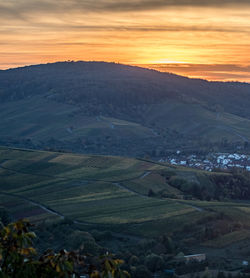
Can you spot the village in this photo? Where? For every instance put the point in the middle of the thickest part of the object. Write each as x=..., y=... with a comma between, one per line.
x=209, y=162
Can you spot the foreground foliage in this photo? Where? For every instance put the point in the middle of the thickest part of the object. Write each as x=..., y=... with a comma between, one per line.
x=18, y=258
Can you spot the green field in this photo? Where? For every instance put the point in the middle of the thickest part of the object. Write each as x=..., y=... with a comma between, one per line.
x=103, y=190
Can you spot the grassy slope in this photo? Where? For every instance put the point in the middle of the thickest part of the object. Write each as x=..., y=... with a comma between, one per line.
x=40, y=119
x=195, y=120
x=102, y=190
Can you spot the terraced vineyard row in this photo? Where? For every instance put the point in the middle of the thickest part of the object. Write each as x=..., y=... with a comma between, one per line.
x=101, y=190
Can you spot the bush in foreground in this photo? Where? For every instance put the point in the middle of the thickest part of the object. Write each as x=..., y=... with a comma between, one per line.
x=19, y=258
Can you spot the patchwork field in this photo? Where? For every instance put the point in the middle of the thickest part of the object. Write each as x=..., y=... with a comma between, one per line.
x=104, y=190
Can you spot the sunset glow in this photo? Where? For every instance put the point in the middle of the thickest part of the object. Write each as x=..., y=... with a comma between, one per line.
x=194, y=38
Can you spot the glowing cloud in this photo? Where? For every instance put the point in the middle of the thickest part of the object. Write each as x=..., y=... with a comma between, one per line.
x=183, y=34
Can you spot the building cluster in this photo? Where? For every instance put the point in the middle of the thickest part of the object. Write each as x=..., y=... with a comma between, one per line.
x=210, y=162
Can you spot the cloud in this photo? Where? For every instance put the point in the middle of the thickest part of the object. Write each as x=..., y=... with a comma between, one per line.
x=218, y=72
x=158, y=28
x=133, y=5
x=34, y=31
x=204, y=67
x=23, y=8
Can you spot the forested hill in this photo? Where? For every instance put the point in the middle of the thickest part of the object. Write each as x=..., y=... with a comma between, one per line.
x=110, y=83
x=109, y=108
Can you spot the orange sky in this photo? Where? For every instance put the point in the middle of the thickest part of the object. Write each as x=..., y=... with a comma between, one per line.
x=196, y=38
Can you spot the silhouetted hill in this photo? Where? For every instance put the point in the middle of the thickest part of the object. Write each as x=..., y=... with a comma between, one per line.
x=76, y=101
x=113, y=83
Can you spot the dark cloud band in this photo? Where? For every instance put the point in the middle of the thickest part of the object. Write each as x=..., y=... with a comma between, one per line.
x=157, y=4
x=23, y=7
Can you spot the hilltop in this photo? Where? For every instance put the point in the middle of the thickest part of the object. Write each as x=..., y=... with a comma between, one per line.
x=107, y=108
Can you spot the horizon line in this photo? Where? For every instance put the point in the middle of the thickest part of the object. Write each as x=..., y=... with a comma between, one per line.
x=137, y=65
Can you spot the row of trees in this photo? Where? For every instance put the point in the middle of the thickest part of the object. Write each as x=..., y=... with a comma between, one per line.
x=231, y=184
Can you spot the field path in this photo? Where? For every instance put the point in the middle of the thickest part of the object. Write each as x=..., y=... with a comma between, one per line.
x=192, y=206
x=51, y=211
x=47, y=209
x=197, y=208
x=145, y=175
x=120, y=185
x=43, y=207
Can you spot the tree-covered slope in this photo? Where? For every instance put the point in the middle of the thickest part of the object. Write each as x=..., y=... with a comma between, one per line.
x=106, y=83
x=108, y=108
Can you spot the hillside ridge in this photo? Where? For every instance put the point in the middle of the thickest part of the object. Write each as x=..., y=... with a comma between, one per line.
x=108, y=108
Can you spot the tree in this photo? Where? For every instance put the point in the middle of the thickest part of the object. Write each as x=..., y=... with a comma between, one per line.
x=133, y=261
x=142, y=272
x=151, y=193
x=18, y=258
x=154, y=262
x=110, y=267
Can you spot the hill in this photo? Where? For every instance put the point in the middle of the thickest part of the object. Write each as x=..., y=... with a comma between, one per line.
x=106, y=108
x=134, y=196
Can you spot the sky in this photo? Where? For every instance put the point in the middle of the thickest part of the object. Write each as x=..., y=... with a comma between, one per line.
x=207, y=39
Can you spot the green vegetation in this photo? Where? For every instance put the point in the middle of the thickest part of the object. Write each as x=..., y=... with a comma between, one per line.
x=120, y=193
x=115, y=109
x=18, y=258
x=146, y=212
x=82, y=188
x=149, y=212
x=228, y=239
